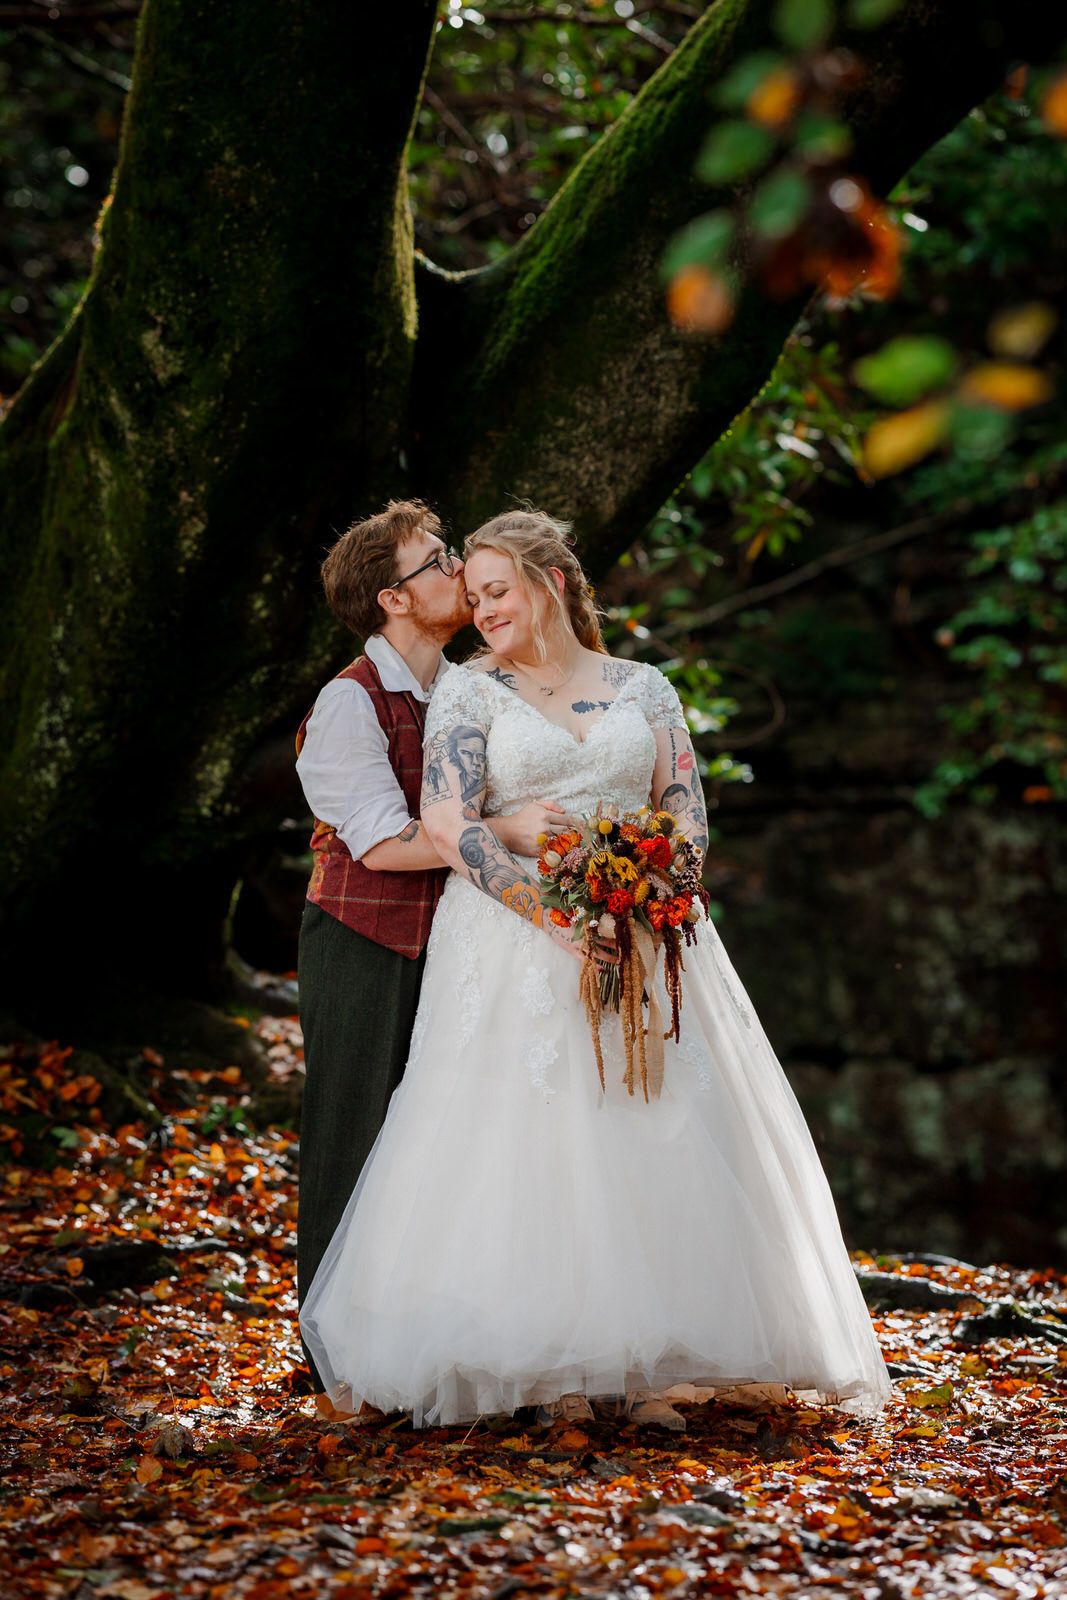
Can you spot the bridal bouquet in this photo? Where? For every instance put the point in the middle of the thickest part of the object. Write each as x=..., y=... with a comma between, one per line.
x=636, y=879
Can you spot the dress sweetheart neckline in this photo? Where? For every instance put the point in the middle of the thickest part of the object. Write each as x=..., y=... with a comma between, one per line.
x=514, y=695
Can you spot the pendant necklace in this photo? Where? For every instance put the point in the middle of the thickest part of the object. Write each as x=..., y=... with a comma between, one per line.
x=546, y=689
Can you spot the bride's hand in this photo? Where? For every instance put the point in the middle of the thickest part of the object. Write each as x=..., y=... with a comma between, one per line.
x=605, y=954
x=518, y=833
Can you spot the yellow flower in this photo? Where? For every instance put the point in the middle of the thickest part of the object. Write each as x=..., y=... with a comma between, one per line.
x=641, y=892
x=600, y=861
x=624, y=869
x=604, y=825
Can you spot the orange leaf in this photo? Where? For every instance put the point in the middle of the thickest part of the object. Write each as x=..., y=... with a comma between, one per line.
x=149, y=1469
x=1008, y=385
x=774, y=99
x=75, y=1266
x=895, y=443
x=699, y=302
x=1054, y=105
x=371, y=1547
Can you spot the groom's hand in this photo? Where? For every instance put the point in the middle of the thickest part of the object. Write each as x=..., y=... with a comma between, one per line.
x=518, y=833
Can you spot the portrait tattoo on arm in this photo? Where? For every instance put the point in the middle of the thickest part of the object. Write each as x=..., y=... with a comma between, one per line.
x=684, y=795
x=498, y=874
x=462, y=749
x=435, y=784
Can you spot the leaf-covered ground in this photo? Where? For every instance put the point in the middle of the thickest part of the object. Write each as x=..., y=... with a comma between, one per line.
x=152, y=1443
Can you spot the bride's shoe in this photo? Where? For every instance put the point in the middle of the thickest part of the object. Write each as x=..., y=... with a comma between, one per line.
x=647, y=1409
x=568, y=1408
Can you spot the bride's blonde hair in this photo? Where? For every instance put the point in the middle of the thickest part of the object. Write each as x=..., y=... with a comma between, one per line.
x=537, y=542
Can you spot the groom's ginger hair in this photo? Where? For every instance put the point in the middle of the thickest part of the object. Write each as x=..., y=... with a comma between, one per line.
x=363, y=562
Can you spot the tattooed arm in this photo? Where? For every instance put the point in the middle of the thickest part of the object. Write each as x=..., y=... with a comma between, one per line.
x=409, y=851
x=453, y=793
x=676, y=785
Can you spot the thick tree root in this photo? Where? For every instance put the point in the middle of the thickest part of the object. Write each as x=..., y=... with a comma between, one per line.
x=888, y=1289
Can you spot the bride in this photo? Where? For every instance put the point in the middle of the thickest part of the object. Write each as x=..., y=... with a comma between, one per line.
x=519, y=1236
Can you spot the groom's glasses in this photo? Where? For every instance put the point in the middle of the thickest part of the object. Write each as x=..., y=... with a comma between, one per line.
x=444, y=560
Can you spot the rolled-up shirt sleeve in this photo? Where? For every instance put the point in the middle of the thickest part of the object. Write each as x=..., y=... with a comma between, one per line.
x=345, y=772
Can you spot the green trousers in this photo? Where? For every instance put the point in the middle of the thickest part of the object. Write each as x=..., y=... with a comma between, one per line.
x=357, y=1008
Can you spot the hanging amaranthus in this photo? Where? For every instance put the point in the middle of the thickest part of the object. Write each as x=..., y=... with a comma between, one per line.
x=635, y=880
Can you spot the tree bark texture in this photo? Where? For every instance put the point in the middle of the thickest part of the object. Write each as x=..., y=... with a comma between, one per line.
x=243, y=376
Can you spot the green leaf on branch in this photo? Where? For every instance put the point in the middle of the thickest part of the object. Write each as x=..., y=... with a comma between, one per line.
x=871, y=13
x=747, y=76
x=703, y=243
x=906, y=368
x=779, y=203
x=822, y=138
x=734, y=150
x=980, y=432
x=802, y=24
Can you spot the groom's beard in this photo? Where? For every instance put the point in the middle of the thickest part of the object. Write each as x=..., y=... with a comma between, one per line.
x=439, y=627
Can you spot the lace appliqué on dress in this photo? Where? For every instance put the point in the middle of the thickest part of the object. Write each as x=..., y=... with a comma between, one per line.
x=538, y=1054
x=657, y=698
x=452, y=923
x=691, y=1051
x=536, y=993
x=728, y=986
x=418, y=1034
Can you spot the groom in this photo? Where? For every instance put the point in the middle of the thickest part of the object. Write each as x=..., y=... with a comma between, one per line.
x=376, y=878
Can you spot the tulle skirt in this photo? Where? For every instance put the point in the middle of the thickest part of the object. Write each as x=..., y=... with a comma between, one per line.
x=518, y=1234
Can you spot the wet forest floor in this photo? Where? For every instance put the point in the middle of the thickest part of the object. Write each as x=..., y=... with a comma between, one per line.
x=153, y=1445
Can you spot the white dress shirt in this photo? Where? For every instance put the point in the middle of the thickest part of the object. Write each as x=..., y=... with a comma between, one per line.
x=344, y=767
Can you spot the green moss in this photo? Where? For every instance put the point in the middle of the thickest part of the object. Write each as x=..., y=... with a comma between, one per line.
x=174, y=466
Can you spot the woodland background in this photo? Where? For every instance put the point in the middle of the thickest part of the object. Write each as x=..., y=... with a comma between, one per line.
x=883, y=732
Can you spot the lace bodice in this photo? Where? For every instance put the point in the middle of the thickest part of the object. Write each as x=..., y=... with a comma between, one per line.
x=531, y=758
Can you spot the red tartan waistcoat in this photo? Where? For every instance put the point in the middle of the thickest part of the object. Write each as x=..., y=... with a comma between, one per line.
x=393, y=909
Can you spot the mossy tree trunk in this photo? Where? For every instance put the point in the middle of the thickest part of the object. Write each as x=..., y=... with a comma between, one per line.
x=243, y=375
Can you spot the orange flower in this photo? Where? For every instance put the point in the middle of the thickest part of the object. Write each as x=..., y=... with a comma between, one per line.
x=598, y=889
x=658, y=852
x=619, y=903
x=677, y=909
x=656, y=912
x=560, y=918
x=631, y=834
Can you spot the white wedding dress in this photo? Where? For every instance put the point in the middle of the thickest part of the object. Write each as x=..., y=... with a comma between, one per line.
x=516, y=1233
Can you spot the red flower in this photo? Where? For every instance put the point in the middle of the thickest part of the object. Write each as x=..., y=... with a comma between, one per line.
x=619, y=902
x=658, y=852
x=656, y=912
x=598, y=889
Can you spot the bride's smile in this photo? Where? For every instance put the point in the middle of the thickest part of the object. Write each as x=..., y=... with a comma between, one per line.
x=503, y=614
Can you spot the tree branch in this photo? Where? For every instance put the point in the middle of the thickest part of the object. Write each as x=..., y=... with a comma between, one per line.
x=79, y=59
x=555, y=375
x=960, y=511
